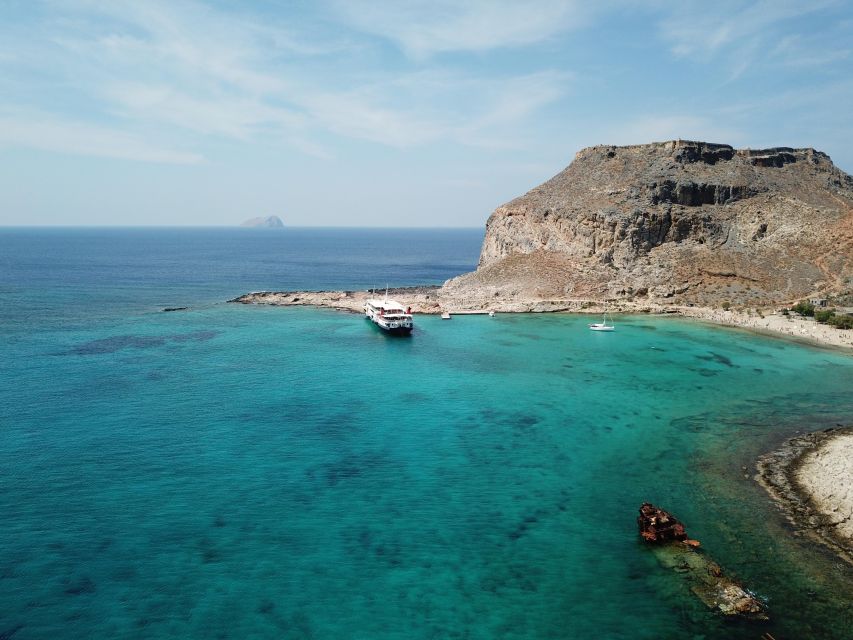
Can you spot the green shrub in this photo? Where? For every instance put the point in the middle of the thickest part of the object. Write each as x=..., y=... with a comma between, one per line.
x=823, y=315
x=726, y=305
x=804, y=308
x=841, y=322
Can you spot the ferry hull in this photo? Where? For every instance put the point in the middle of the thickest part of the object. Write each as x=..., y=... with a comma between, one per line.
x=392, y=331
x=389, y=316
x=398, y=331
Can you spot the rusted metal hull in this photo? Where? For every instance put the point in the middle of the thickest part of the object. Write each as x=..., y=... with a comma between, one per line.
x=674, y=550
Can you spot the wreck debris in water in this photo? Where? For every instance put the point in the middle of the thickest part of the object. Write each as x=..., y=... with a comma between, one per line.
x=676, y=551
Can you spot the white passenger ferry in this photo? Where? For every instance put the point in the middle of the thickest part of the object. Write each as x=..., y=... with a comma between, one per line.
x=389, y=315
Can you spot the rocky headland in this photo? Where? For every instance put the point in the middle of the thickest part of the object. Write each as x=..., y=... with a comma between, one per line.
x=679, y=222
x=811, y=478
x=704, y=230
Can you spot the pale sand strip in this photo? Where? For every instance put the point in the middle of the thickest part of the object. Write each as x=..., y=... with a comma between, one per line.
x=790, y=326
x=826, y=475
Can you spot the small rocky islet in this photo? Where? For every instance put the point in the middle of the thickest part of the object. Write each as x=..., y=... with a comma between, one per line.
x=270, y=222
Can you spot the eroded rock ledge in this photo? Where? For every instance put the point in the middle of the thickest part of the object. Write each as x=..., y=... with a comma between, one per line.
x=423, y=299
x=435, y=299
x=810, y=480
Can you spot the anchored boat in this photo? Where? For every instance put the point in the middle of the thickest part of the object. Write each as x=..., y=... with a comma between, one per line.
x=389, y=315
x=602, y=326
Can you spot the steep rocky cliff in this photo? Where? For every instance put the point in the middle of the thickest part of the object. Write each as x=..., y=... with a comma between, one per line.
x=679, y=221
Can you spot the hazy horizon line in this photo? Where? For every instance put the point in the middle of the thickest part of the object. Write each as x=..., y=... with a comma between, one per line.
x=222, y=226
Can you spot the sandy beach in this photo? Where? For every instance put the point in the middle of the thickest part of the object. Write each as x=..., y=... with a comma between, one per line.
x=773, y=323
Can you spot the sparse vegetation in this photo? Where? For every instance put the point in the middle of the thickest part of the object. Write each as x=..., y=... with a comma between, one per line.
x=804, y=308
x=840, y=321
x=823, y=315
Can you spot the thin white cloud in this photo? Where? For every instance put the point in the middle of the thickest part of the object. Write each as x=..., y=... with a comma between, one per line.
x=226, y=115
x=190, y=69
x=799, y=52
x=742, y=35
x=423, y=28
x=49, y=133
x=489, y=108
x=702, y=28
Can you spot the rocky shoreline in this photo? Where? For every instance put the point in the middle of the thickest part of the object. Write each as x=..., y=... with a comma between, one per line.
x=422, y=299
x=435, y=300
x=811, y=478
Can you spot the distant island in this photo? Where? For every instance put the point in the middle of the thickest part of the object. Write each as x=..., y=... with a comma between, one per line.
x=272, y=222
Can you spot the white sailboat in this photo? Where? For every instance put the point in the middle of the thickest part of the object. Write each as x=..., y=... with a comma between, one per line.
x=602, y=326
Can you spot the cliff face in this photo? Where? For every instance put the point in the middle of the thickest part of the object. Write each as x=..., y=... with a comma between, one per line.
x=679, y=221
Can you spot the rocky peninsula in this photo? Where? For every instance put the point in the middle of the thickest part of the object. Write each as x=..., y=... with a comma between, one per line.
x=720, y=234
x=811, y=478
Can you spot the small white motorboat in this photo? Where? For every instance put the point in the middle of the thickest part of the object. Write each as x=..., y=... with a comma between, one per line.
x=445, y=315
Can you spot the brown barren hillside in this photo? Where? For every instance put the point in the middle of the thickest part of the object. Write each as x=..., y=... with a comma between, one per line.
x=673, y=222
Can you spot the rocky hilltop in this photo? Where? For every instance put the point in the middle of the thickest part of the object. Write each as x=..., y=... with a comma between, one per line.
x=272, y=222
x=677, y=222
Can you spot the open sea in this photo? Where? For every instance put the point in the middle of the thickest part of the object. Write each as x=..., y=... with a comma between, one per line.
x=239, y=472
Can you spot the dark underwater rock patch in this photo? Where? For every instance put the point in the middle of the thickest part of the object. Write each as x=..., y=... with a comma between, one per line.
x=118, y=343
x=195, y=336
x=718, y=358
x=82, y=586
x=8, y=634
x=349, y=467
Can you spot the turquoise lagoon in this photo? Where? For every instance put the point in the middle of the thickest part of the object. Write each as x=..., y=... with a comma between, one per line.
x=255, y=472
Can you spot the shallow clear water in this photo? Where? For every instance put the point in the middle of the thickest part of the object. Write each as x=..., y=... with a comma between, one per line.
x=254, y=472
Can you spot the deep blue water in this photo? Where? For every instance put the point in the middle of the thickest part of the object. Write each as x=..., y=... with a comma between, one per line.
x=103, y=272
x=254, y=472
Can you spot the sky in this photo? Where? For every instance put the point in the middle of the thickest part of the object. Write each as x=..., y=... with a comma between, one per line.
x=369, y=113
